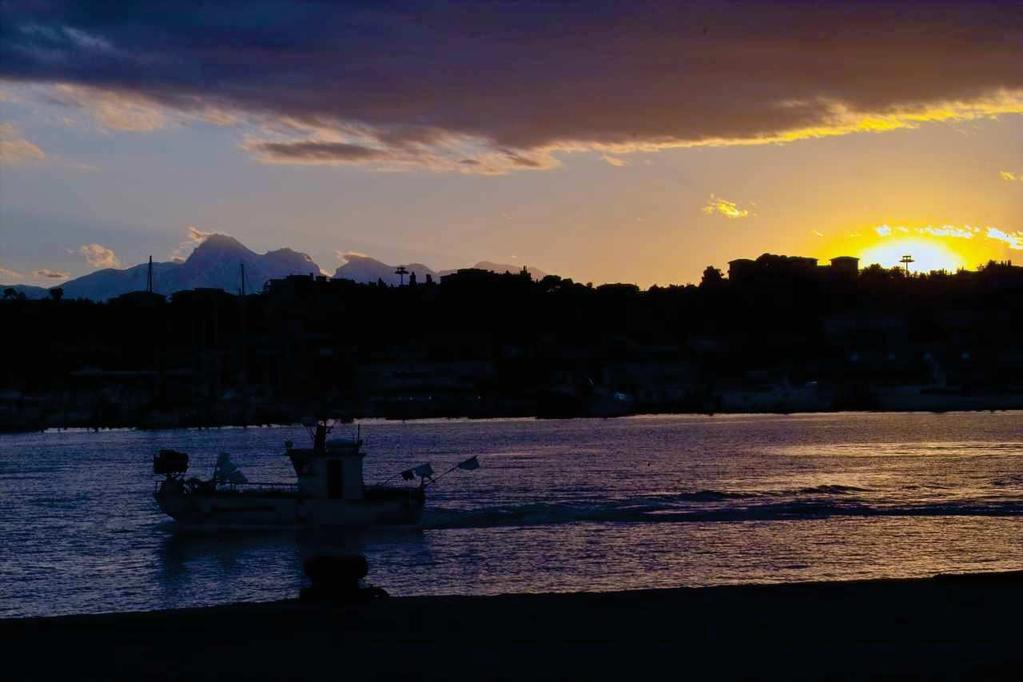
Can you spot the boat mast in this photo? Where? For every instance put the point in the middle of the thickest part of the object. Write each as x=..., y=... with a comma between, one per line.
x=320, y=437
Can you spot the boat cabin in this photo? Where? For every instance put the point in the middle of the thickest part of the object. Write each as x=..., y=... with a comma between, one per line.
x=331, y=469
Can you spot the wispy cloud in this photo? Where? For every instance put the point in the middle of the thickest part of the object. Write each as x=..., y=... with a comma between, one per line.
x=344, y=256
x=348, y=147
x=956, y=232
x=132, y=111
x=16, y=149
x=40, y=275
x=197, y=236
x=99, y=256
x=12, y=275
x=193, y=238
x=724, y=207
x=1014, y=239
x=1009, y=176
x=112, y=110
x=616, y=161
x=46, y=273
x=51, y=40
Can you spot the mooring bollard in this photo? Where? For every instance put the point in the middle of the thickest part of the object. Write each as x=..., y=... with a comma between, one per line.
x=338, y=578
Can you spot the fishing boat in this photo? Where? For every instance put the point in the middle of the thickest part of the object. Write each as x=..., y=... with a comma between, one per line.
x=329, y=491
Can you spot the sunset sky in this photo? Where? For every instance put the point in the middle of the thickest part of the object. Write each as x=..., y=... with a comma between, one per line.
x=605, y=141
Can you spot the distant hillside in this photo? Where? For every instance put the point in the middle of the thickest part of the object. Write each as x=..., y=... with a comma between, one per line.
x=215, y=263
x=360, y=268
x=27, y=289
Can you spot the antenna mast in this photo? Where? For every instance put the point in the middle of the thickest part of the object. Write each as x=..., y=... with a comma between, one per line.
x=906, y=260
x=149, y=276
x=243, y=337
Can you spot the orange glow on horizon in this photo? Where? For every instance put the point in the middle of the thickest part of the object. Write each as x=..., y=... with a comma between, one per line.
x=928, y=254
x=932, y=247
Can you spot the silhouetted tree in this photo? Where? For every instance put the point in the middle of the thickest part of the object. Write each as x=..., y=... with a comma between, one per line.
x=56, y=293
x=481, y=343
x=712, y=277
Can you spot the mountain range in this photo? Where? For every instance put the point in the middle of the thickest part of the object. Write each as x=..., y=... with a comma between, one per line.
x=216, y=263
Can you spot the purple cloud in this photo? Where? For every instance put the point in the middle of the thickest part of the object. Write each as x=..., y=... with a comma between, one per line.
x=498, y=86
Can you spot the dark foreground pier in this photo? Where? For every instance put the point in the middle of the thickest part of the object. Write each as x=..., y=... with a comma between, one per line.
x=944, y=628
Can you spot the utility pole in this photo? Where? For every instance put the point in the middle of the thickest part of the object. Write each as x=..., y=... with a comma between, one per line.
x=401, y=272
x=243, y=338
x=906, y=260
x=149, y=277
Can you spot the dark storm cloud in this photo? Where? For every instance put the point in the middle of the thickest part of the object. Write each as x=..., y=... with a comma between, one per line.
x=520, y=78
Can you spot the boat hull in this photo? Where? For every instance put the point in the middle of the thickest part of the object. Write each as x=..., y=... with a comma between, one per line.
x=245, y=509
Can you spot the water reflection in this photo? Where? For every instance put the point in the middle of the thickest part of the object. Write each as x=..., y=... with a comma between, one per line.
x=268, y=563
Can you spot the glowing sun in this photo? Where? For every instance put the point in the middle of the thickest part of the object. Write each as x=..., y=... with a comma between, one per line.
x=927, y=254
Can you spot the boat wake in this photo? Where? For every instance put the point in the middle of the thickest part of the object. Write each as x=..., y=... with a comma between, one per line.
x=716, y=495
x=661, y=510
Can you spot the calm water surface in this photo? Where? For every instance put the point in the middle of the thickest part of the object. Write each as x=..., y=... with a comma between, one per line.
x=557, y=506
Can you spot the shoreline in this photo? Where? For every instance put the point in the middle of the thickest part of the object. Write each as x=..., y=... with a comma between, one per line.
x=505, y=418
x=944, y=627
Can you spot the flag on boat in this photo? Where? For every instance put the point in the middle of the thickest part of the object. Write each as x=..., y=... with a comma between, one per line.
x=226, y=471
x=423, y=471
x=408, y=474
x=470, y=464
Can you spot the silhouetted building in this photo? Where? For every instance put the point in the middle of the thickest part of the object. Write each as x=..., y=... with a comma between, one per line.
x=469, y=276
x=296, y=285
x=776, y=267
x=770, y=266
x=741, y=268
x=845, y=265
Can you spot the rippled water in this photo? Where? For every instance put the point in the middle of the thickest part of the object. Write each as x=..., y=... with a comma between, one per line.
x=557, y=506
